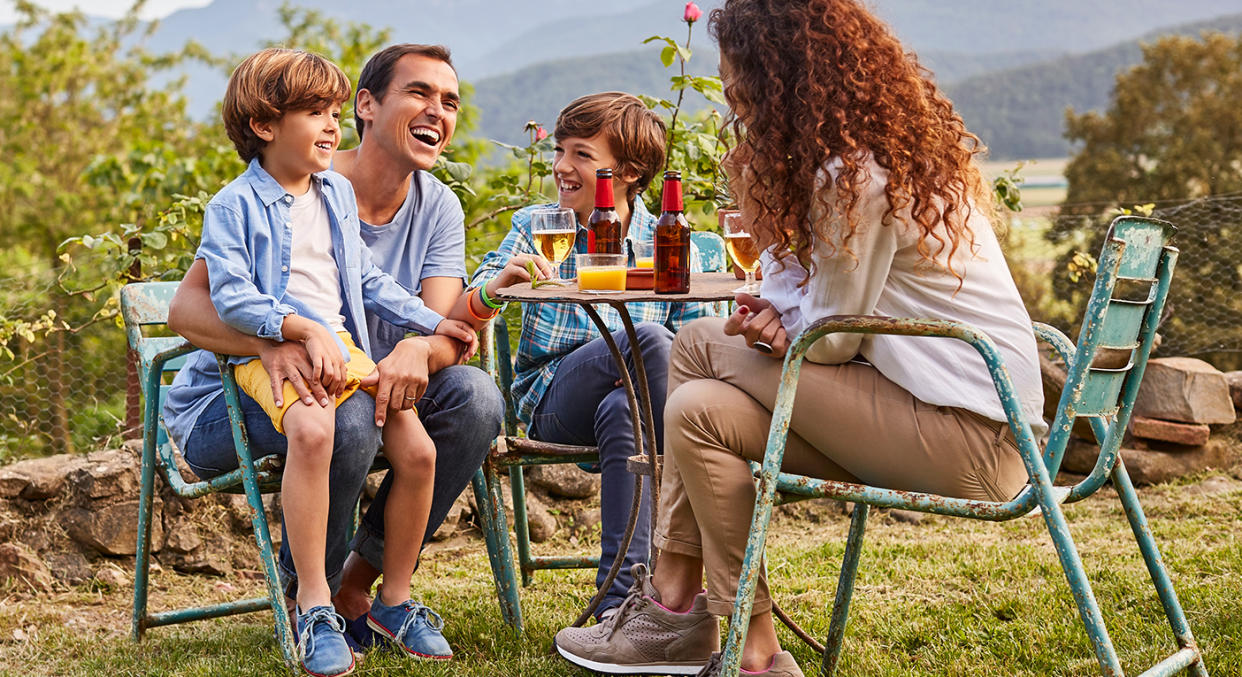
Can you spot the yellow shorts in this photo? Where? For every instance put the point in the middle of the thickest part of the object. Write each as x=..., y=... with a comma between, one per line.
x=254, y=380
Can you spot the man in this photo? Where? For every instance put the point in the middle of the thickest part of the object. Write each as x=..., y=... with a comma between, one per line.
x=406, y=110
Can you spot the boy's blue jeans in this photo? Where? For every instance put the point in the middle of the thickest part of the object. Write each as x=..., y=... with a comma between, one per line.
x=583, y=405
x=461, y=409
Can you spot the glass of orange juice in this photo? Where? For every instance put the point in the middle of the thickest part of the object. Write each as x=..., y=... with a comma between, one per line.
x=601, y=273
x=644, y=253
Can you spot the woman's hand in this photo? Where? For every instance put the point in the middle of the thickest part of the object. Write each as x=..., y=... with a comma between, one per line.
x=515, y=271
x=759, y=323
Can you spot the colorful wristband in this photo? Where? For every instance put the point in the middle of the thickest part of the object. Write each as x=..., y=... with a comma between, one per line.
x=470, y=308
x=487, y=301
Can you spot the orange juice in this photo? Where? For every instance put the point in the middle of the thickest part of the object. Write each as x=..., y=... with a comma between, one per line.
x=644, y=261
x=602, y=278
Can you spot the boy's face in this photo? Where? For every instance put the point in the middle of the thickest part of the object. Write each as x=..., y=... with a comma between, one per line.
x=416, y=119
x=301, y=142
x=574, y=167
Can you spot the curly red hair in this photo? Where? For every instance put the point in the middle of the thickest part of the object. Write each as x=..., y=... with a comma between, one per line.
x=814, y=81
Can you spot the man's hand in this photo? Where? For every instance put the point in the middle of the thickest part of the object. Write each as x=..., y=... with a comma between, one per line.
x=399, y=379
x=756, y=320
x=289, y=361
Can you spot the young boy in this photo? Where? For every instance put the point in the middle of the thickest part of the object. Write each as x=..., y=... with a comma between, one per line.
x=286, y=261
x=567, y=385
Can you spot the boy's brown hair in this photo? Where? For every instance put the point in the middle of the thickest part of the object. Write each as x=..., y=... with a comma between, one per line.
x=635, y=134
x=275, y=81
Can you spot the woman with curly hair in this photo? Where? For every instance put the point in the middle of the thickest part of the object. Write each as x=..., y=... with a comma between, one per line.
x=861, y=187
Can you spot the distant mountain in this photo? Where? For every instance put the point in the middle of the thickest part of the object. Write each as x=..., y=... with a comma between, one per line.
x=1020, y=113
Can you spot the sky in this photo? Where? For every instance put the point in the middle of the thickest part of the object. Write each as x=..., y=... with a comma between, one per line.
x=108, y=8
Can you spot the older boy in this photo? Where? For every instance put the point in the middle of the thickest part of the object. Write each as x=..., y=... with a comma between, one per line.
x=567, y=385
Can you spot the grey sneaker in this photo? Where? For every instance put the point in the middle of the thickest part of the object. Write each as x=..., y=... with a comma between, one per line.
x=783, y=665
x=644, y=638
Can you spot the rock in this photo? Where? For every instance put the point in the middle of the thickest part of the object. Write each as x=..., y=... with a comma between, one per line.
x=371, y=488
x=1218, y=484
x=182, y=537
x=907, y=516
x=112, y=576
x=69, y=565
x=586, y=520
x=1234, y=379
x=106, y=474
x=211, y=557
x=12, y=484
x=112, y=529
x=453, y=519
x=564, y=480
x=539, y=520
x=1155, y=465
x=1186, y=390
x=1190, y=434
x=44, y=476
x=22, y=564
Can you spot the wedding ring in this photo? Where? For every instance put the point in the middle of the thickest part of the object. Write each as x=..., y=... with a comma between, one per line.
x=763, y=347
x=415, y=398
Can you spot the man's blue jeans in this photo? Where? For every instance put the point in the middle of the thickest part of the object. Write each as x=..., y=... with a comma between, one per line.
x=461, y=409
x=584, y=405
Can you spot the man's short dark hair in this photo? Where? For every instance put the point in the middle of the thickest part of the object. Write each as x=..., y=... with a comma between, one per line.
x=377, y=73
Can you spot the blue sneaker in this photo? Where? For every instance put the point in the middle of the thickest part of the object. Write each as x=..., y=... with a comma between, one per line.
x=321, y=645
x=411, y=626
x=360, y=636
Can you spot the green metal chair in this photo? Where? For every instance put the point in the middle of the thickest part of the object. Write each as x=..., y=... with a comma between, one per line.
x=1132, y=282
x=144, y=308
x=514, y=452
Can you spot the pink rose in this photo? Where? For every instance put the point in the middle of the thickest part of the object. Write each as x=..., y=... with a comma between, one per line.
x=692, y=13
x=541, y=133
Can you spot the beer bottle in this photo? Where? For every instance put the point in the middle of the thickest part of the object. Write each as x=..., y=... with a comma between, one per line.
x=672, y=241
x=604, y=226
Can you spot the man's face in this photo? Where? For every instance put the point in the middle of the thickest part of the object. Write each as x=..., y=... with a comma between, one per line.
x=416, y=119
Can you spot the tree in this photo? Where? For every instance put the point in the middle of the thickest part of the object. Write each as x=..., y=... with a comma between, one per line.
x=1172, y=134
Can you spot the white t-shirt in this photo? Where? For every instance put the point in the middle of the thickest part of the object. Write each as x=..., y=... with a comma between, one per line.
x=888, y=276
x=314, y=278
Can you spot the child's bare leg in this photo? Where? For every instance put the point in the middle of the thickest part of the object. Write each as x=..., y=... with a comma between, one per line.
x=412, y=455
x=304, y=495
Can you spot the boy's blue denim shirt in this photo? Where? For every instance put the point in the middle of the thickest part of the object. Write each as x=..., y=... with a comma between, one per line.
x=246, y=245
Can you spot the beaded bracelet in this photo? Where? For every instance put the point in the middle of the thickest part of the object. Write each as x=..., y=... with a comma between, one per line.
x=487, y=301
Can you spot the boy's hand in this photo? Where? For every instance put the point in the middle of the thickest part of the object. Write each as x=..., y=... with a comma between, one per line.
x=327, y=364
x=516, y=270
x=463, y=332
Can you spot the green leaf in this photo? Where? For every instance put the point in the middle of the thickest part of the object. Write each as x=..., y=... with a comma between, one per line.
x=154, y=240
x=667, y=54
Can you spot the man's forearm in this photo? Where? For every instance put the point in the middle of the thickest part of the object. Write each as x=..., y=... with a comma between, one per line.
x=191, y=314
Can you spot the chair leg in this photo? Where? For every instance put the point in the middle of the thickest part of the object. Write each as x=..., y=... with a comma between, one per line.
x=276, y=596
x=1071, y=564
x=496, y=533
x=1155, y=565
x=142, y=559
x=845, y=589
x=520, y=524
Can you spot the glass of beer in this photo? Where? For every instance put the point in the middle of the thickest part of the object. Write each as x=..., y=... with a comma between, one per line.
x=554, y=230
x=743, y=251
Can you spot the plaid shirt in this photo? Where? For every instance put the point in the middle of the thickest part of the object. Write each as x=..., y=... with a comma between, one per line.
x=550, y=331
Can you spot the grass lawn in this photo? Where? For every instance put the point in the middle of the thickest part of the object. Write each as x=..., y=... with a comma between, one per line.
x=943, y=597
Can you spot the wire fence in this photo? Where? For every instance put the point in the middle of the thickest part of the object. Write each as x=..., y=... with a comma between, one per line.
x=68, y=393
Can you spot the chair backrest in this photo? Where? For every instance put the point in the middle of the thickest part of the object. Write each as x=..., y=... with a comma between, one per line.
x=144, y=307
x=1132, y=283
x=711, y=251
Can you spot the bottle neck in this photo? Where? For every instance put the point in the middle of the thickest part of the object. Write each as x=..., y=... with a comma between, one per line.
x=671, y=200
x=603, y=193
